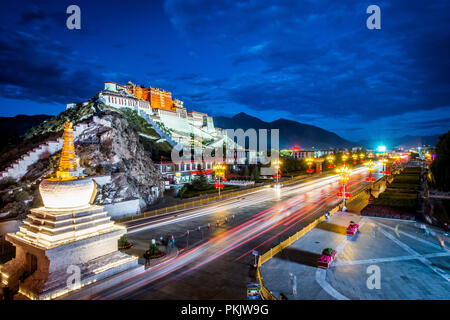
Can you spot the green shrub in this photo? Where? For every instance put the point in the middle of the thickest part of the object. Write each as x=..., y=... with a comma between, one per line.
x=153, y=249
x=409, y=204
x=123, y=241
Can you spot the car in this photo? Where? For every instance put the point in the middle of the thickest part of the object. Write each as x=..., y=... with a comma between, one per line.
x=352, y=228
x=327, y=257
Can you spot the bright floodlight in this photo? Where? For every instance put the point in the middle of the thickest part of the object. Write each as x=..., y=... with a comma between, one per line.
x=381, y=148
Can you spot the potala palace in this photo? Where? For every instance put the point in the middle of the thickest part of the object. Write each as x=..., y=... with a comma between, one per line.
x=167, y=115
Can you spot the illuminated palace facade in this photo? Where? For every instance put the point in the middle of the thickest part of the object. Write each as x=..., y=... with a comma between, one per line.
x=174, y=123
x=159, y=107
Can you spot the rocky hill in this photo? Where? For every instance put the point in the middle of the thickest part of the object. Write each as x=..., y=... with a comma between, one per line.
x=116, y=144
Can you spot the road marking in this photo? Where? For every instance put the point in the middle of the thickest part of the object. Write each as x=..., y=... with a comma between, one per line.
x=321, y=273
x=320, y=278
x=414, y=237
x=420, y=257
x=390, y=259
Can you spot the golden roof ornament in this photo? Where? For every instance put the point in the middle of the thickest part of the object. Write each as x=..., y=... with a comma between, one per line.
x=68, y=161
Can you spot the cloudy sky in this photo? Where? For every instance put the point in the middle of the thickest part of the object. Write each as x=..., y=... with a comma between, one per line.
x=313, y=61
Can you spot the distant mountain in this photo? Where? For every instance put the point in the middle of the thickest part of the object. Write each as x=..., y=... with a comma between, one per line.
x=21, y=123
x=404, y=142
x=13, y=128
x=292, y=133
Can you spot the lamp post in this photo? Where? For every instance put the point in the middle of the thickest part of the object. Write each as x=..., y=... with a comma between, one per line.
x=355, y=158
x=361, y=157
x=309, y=162
x=219, y=170
x=344, y=158
x=277, y=164
x=384, y=160
x=330, y=160
x=370, y=165
x=344, y=176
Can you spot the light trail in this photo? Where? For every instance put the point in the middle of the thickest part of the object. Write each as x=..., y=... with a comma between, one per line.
x=289, y=213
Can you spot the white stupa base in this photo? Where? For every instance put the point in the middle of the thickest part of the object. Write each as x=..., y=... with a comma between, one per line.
x=41, y=286
x=58, y=252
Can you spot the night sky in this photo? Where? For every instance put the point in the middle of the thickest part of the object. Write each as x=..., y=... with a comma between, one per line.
x=312, y=61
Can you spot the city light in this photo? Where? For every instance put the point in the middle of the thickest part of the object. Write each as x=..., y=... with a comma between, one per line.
x=219, y=170
x=370, y=165
x=381, y=149
x=277, y=164
x=361, y=157
x=309, y=162
x=330, y=160
x=344, y=175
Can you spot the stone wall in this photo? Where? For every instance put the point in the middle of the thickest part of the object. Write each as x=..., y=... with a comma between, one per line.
x=123, y=209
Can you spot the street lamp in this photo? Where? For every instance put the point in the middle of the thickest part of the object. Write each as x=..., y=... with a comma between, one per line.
x=344, y=176
x=344, y=158
x=219, y=170
x=370, y=165
x=330, y=160
x=355, y=158
x=384, y=160
x=309, y=162
x=361, y=157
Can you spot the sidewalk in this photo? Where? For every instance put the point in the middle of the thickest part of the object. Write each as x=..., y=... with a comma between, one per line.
x=412, y=265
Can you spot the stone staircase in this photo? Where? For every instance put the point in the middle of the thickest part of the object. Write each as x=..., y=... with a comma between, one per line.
x=20, y=167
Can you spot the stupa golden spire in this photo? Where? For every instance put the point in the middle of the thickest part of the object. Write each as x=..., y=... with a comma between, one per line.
x=68, y=161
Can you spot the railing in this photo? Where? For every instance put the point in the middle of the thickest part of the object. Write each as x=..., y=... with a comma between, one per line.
x=267, y=294
x=203, y=201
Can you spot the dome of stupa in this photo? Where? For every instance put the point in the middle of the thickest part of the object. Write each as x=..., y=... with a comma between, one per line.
x=65, y=194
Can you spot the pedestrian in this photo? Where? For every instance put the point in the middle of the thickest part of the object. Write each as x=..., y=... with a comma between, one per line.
x=294, y=286
x=147, y=257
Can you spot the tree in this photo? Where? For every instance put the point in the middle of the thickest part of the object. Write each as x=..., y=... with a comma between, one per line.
x=153, y=249
x=201, y=183
x=440, y=167
x=255, y=172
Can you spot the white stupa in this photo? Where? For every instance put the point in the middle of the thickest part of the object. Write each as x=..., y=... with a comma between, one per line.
x=68, y=234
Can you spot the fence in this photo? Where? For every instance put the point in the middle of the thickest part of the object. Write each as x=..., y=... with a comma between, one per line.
x=203, y=201
x=267, y=294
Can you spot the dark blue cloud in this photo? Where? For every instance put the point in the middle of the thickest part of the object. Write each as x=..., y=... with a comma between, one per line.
x=313, y=61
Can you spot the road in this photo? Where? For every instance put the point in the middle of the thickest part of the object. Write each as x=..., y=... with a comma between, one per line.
x=215, y=262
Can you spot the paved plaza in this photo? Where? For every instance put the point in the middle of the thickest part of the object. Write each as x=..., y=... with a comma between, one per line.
x=413, y=263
